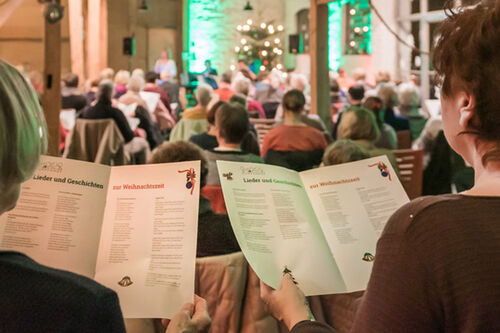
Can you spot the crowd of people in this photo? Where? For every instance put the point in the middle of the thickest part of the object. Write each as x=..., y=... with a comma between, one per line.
x=438, y=259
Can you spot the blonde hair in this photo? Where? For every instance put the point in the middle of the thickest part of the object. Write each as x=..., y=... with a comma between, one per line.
x=358, y=124
x=135, y=83
x=23, y=131
x=122, y=77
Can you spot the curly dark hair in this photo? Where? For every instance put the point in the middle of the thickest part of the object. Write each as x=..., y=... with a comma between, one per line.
x=467, y=57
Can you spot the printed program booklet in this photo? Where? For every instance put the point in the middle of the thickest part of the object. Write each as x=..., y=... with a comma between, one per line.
x=321, y=224
x=131, y=228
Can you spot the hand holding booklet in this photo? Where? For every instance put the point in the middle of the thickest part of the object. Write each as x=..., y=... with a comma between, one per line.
x=131, y=228
x=321, y=224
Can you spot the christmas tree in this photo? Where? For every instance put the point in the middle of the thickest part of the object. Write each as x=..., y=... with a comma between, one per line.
x=260, y=45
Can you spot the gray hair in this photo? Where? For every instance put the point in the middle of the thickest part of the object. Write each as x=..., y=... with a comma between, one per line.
x=242, y=86
x=23, y=131
x=204, y=94
x=408, y=95
x=387, y=93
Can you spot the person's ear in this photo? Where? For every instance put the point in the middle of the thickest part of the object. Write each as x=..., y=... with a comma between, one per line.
x=467, y=109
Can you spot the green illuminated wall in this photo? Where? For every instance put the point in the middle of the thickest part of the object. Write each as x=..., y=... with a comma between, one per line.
x=358, y=39
x=204, y=24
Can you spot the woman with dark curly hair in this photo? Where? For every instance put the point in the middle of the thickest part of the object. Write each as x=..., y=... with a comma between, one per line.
x=437, y=265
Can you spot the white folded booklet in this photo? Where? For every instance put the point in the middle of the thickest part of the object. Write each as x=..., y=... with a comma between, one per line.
x=131, y=228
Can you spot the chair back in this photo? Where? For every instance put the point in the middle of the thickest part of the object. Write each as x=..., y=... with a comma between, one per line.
x=410, y=163
x=96, y=140
x=270, y=109
x=221, y=281
x=263, y=126
x=67, y=118
x=404, y=139
x=299, y=160
x=214, y=194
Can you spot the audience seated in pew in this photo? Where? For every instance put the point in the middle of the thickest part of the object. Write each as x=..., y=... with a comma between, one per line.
x=231, y=123
x=208, y=139
x=293, y=144
x=215, y=235
x=387, y=93
x=242, y=86
x=36, y=298
x=438, y=259
x=132, y=96
x=104, y=109
x=194, y=120
x=121, y=81
x=225, y=91
x=72, y=97
x=388, y=138
x=359, y=125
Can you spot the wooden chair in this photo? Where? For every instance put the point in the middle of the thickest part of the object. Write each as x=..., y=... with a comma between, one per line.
x=214, y=194
x=404, y=139
x=410, y=163
x=262, y=126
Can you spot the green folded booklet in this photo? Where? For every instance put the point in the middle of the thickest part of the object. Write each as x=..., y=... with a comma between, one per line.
x=321, y=224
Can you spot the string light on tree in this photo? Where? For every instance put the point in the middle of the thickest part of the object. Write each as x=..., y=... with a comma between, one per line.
x=358, y=34
x=260, y=44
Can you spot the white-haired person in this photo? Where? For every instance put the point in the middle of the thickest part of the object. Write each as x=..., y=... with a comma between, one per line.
x=242, y=85
x=409, y=106
x=437, y=262
x=37, y=298
x=147, y=117
x=121, y=81
x=194, y=120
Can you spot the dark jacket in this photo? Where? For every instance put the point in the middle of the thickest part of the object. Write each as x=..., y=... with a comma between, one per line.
x=36, y=298
x=104, y=110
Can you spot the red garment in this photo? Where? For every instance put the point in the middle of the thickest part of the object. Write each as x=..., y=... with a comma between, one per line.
x=293, y=138
x=163, y=96
x=224, y=94
x=256, y=107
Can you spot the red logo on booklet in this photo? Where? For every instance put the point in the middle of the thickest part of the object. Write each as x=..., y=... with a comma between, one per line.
x=190, y=178
x=384, y=171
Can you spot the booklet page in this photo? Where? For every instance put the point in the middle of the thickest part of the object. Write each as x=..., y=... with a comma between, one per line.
x=57, y=220
x=147, y=249
x=353, y=202
x=276, y=227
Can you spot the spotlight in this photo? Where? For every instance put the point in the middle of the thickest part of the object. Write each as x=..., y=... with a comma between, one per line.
x=263, y=25
x=352, y=11
x=280, y=27
x=249, y=21
x=267, y=44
